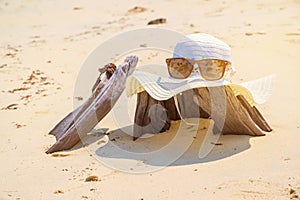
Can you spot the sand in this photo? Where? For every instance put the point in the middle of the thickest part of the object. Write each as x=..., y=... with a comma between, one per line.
x=43, y=45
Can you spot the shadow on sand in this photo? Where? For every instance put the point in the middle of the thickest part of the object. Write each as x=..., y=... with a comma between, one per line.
x=178, y=146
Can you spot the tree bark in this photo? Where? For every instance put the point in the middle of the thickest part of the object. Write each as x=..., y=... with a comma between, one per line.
x=231, y=114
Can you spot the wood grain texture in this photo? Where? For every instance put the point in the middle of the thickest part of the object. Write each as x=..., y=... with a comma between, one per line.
x=78, y=123
x=231, y=114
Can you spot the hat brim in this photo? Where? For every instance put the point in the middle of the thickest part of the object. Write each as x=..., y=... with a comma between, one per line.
x=163, y=88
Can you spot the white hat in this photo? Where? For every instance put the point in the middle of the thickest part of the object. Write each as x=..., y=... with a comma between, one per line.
x=202, y=46
x=197, y=47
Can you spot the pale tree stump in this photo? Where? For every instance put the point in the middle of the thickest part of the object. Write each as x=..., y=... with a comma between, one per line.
x=232, y=115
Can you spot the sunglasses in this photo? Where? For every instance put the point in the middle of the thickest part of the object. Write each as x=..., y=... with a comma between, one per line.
x=209, y=69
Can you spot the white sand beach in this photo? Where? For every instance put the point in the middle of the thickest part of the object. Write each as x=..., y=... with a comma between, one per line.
x=43, y=45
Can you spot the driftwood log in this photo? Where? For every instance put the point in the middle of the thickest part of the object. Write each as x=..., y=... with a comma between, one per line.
x=105, y=94
x=153, y=116
x=237, y=117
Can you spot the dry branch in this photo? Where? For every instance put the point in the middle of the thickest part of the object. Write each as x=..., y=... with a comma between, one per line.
x=78, y=123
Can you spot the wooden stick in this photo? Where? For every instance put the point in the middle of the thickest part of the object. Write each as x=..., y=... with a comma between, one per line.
x=86, y=117
x=69, y=120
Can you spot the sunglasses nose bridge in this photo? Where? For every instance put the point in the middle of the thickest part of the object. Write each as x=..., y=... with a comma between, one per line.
x=195, y=65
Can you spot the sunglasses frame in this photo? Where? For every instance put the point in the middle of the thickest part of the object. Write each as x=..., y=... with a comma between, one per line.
x=193, y=62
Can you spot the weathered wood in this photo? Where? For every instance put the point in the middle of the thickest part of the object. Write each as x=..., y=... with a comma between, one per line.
x=255, y=114
x=141, y=120
x=232, y=115
x=238, y=120
x=171, y=109
x=151, y=116
x=78, y=123
x=69, y=120
x=108, y=69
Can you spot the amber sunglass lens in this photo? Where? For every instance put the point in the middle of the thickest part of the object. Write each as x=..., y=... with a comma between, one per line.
x=212, y=69
x=179, y=68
